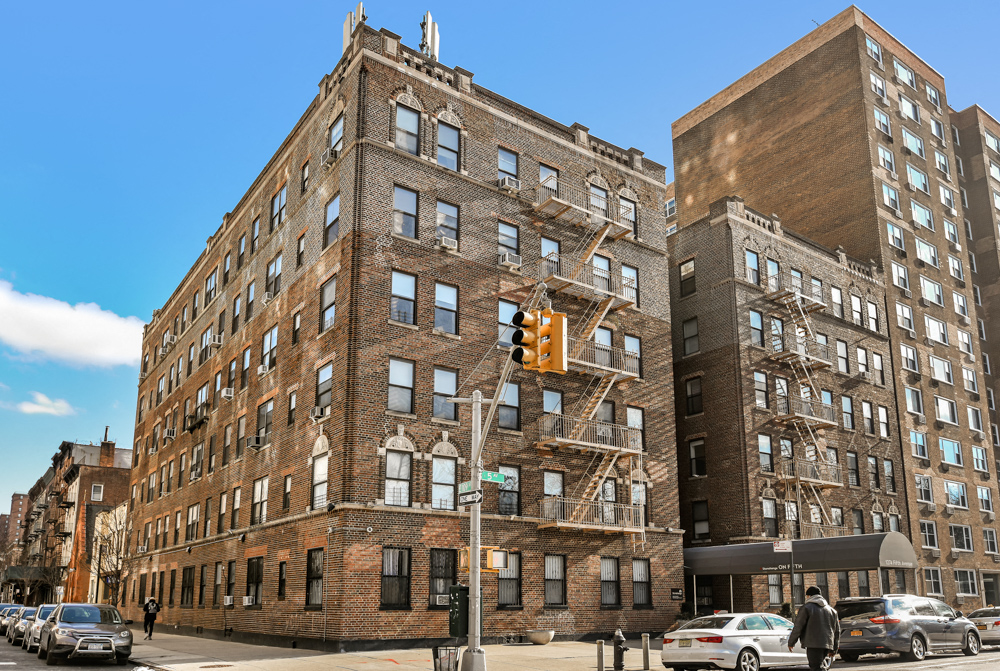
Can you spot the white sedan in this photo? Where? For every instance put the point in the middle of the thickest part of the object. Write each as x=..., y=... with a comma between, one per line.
x=744, y=641
x=987, y=621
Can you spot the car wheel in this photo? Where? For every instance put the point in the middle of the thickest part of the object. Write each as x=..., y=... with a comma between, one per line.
x=51, y=659
x=747, y=661
x=971, y=645
x=849, y=656
x=41, y=652
x=917, y=651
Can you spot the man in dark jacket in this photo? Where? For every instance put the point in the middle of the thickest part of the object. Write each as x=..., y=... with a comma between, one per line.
x=818, y=627
x=151, y=608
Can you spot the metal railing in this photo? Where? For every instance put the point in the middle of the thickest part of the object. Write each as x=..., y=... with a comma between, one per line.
x=814, y=530
x=806, y=408
x=556, y=428
x=610, y=281
x=785, y=283
x=583, y=513
x=575, y=204
x=788, y=344
x=809, y=469
x=588, y=353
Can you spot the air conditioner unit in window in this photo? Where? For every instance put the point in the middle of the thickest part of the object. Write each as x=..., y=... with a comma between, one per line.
x=949, y=510
x=935, y=552
x=954, y=246
x=910, y=186
x=907, y=150
x=907, y=293
x=912, y=335
x=974, y=396
x=921, y=419
x=952, y=211
x=924, y=302
x=979, y=436
x=865, y=376
x=171, y=340
x=955, y=554
x=141, y=549
x=963, y=320
x=254, y=443
x=931, y=507
x=896, y=79
x=991, y=516
x=263, y=370
x=510, y=184
x=893, y=175
x=884, y=101
x=227, y=601
x=228, y=393
x=216, y=341
x=152, y=450
x=934, y=382
x=329, y=156
x=510, y=260
x=268, y=297
x=318, y=413
x=898, y=214
x=169, y=434
x=248, y=601
x=143, y=376
x=921, y=263
x=448, y=243
x=164, y=350
x=441, y=600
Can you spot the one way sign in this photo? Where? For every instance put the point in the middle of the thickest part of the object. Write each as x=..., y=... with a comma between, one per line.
x=468, y=498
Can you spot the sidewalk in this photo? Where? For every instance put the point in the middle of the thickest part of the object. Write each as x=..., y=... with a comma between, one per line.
x=173, y=652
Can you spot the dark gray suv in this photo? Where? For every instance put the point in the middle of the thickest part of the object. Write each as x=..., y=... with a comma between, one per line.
x=904, y=623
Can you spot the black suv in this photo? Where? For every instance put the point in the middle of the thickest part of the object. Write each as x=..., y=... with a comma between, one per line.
x=904, y=623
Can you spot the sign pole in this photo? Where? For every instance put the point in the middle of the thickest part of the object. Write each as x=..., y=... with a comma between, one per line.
x=474, y=658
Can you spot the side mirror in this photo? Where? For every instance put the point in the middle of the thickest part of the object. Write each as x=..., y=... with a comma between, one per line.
x=959, y=613
x=128, y=621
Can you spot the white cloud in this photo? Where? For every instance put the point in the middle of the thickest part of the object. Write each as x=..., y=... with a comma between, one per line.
x=43, y=405
x=81, y=334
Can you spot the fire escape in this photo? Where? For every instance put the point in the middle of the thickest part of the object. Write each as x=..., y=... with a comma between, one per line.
x=583, y=429
x=807, y=475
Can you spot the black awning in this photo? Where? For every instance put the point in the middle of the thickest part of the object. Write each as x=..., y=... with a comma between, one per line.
x=845, y=553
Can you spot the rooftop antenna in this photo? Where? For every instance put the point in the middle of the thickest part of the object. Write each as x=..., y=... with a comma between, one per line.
x=351, y=22
x=431, y=40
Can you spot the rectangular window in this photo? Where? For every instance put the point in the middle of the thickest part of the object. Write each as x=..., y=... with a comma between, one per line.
x=395, y=578
x=445, y=308
x=965, y=582
x=882, y=123
x=509, y=407
x=766, y=452
x=922, y=215
x=187, y=586
x=760, y=389
x=900, y=276
x=690, y=333
x=985, y=496
x=314, y=577
x=837, y=296
x=445, y=386
x=507, y=239
x=853, y=475
x=696, y=447
x=770, y=515
x=331, y=229
x=753, y=267
x=990, y=541
x=926, y=252
x=337, y=135
x=447, y=221
x=699, y=517
x=509, y=501
x=946, y=410
x=925, y=493
x=397, y=478
x=931, y=290
x=505, y=314
x=509, y=582
x=979, y=459
x=444, y=573
x=847, y=406
x=610, y=586
x=687, y=278
x=255, y=579
x=693, y=396
x=444, y=471
x=447, y=149
x=756, y=329
x=961, y=537
x=917, y=178
x=928, y=534
x=555, y=580
x=506, y=163
x=404, y=213
x=402, y=306
x=278, y=208
x=320, y=475
x=324, y=386
x=258, y=508
x=896, y=236
x=937, y=330
x=407, y=130
x=908, y=109
x=956, y=494
x=265, y=417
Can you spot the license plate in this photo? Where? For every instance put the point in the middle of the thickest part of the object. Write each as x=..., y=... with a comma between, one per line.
x=684, y=643
x=981, y=627
x=857, y=632
x=95, y=646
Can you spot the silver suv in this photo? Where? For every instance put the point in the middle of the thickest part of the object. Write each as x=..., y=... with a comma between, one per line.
x=904, y=623
x=84, y=630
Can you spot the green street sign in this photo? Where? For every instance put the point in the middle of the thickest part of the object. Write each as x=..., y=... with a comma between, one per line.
x=465, y=486
x=492, y=476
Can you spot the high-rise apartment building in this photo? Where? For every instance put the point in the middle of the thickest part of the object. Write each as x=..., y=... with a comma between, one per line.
x=296, y=456
x=847, y=134
x=18, y=503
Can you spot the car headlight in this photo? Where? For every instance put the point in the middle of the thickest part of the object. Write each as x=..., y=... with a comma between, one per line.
x=64, y=632
x=125, y=634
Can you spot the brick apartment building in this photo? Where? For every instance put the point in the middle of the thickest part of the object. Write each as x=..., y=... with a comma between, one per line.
x=847, y=134
x=791, y=406
x=18, y=505
x=53, y=561
x=296, y=462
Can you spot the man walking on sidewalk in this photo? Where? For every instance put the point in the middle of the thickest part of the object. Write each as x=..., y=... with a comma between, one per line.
x=151, y=608
x=818, y=627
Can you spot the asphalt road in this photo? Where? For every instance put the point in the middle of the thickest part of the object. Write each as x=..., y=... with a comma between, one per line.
x=987, y=660
x=13, y=658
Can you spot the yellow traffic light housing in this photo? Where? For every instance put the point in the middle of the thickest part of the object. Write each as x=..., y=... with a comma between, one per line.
x=541, y=340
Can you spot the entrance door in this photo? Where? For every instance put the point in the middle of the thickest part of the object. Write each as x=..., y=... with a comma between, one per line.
x=991, y=589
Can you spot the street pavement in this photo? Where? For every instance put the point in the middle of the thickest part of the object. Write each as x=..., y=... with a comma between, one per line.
x=171, y=652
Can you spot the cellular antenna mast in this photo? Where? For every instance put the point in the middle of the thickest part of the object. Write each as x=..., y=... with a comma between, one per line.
x=430, y=42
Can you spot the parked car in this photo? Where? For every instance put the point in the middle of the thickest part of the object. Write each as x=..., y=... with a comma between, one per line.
x=15, y=630
x=33, y=625
x=904, y=623
x=5, y=614
x=84, y=631
x=987, y=621
x=745, y=641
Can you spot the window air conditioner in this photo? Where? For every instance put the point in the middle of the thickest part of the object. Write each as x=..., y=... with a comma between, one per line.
x=448, y=243
x=910, y=186
x=318, y=413
x=268, y=297
x=227, y=601
x=931, y=507
x=865, y=376
x=912, y=335
x=935, y=552
x=907, y=293
x=164, y=350
x=330, y=155
x=907, y=150
x=216, y=341
x=991, y=516
x=143, y=376
x=169, y=434
x=949, y=510
x=141, y=549
x=893, y=175
x=954, y=246
x=254, y=443
x=262, y=370
x=248, y=601
x=510, y=260
x=952, y=211
x=441, y=599
x=921, y=419
x=955, y=555
x=228, y=393
x=171, y=340
x=510, y=184
x=979, y=436
x=964, y=320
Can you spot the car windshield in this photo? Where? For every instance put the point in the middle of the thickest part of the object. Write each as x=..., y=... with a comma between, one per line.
x=45, y=612
x=854, y=610
x=90, y=615
x=985, y=612
x=28, y=613
x=707, y=623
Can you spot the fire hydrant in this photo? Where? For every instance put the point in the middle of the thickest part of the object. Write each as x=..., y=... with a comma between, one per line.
x=619, y=641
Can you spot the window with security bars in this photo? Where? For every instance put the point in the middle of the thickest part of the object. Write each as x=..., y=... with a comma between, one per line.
x=555, y=580
x=319, y=481
x=444, y=478
x=443, y=573
x=610, y=587
x=642, y=593
x=397, y=478
x=258, y=508
x=395, y=578
x=255, y=579
x=509, y=502
x=509, y=582
x=314, y=577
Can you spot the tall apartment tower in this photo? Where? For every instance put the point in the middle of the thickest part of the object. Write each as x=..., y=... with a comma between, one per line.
x=296, y=456
x=18, y=509
x=847, y=134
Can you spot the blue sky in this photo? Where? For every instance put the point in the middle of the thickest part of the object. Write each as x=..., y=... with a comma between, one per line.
x=128, y=129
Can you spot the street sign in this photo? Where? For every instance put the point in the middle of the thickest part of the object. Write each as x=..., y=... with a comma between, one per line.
x=465, y=486
x=782, y=546
x=493, y=476
x=468, y=498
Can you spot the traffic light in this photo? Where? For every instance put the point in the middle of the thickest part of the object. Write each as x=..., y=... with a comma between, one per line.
x=541, y=344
